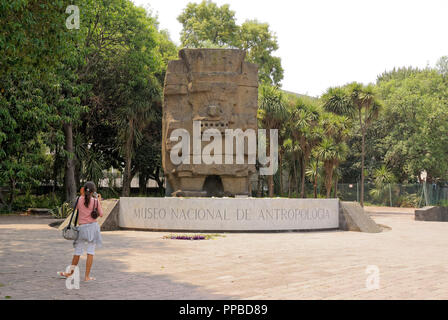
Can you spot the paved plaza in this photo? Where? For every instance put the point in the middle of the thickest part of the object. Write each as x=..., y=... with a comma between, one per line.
x=411, y=257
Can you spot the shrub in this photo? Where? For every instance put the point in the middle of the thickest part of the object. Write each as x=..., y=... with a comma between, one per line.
x=23, y=202
x=409, y=201
x=63, y=211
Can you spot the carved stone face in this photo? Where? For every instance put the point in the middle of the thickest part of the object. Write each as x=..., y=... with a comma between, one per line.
x=213, y=111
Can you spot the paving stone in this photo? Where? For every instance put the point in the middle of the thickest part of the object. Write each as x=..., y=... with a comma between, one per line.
x=411, y=258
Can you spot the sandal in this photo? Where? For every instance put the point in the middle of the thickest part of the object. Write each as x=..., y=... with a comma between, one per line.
x=90, y=279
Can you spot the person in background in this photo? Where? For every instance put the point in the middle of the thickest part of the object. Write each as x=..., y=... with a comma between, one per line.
x=89, y=231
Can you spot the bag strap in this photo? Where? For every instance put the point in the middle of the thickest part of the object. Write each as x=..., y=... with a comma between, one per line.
x=75, y=211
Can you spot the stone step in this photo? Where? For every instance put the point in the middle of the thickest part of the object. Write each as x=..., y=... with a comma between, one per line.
x=352, y=217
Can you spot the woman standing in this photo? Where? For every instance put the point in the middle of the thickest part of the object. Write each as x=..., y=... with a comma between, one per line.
x=89, y=230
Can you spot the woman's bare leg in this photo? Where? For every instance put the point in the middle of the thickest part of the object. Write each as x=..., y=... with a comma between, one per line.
x=75, y=262
x=89, y=262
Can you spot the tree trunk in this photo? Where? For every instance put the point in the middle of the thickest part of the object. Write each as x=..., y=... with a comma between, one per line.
x=336, y=188
x=289, y=185
x=12, y=187
x=294, y=176
x=302, y=176
x=315, y=178
x=78, y=166
x=126, y=191
x=271, y=176
x=69, y=177
x=280, y=171
x=329, y=179
x=2, y=199
x=271, y=185
x=362, y=158
x=55, y=168
x=142, y=181
x=159, y=181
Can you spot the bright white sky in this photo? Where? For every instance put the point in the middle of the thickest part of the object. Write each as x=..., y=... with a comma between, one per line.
x=325, y=43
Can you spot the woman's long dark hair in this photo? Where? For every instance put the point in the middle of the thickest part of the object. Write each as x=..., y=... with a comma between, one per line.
x=89, y=189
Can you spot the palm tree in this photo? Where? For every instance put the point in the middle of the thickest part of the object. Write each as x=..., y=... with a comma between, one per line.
x=333, y=148
x=305, y=131
x=313, y=173
x=291, y=150
x=359, y=102
x=336, y=176
x=137, y=110
x=331, y=153
x=272, y=114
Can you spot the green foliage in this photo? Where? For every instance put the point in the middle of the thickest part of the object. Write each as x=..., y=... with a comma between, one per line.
x=62, y=211
x=442, y=66
x=100, y=88
x=444, y=203
x=382, y=178
x=28, y=200
x=260, y=44
x=412, y=128
x=272, y=110
x=360, y=103
x=206, y=25
x=409, y=201
x=31, y=44
x=82, y=86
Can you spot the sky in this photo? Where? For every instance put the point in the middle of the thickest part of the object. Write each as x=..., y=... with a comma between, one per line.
x=324, y=43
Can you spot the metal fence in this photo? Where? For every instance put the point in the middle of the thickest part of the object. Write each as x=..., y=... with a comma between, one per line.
x=396, y=195
x=393, y=195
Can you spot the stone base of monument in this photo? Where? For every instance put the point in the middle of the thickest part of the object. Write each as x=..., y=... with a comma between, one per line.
x=352, y=217
x=431, y=214
x=228, y=214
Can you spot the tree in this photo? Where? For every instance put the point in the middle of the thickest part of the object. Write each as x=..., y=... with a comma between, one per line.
x=211, y=26
x=206, y=23
x=410, y=134
x=333, y=148
x=272, y=115
x=121, y=62
x=32, y=43
x=357, y=101
x=305, y=131
x=442, y=65
x=260, y=43
x=83, y=92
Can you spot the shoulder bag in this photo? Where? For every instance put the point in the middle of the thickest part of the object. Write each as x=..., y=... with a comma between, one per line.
x=71, y=232
x=94, y=214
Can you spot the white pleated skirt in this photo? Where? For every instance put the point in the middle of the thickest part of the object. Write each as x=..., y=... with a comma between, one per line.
x=89, y=232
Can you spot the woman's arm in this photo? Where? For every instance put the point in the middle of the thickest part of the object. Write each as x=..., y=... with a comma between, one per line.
x=100, y=208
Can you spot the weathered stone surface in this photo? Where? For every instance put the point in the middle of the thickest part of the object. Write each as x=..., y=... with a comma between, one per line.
x=109, y=220
x=228, y=214
x=220, y=89
x=352, y=217
x=431, y=214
